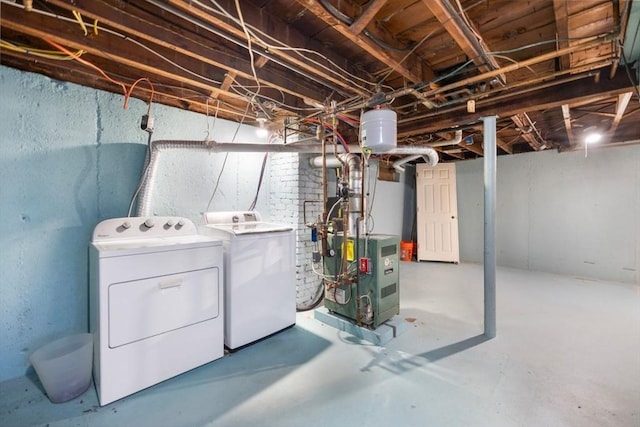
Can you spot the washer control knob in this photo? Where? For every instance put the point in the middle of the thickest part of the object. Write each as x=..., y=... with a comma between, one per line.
x=180, y=224
x=149, y=223
x=126, y=225
x=170, y=223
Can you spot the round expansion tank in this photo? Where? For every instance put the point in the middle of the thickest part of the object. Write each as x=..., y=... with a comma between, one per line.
x=378, y=130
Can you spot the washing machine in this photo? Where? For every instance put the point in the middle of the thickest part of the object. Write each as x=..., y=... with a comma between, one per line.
x=260, y=275
x=155, y=302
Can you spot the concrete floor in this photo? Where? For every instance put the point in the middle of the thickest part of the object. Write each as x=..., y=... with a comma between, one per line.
x=567, y=354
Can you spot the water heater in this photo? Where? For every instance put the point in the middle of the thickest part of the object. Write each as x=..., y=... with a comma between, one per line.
x=378, y=130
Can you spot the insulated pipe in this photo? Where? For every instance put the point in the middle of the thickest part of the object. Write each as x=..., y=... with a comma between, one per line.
x=432, y=157
x=489, y=134
x=398, y=164
x=354, y=182
x=455, y=141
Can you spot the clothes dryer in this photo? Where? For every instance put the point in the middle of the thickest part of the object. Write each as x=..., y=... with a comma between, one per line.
x=156, y=302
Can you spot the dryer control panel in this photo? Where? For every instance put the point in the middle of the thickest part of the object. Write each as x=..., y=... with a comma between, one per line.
x=143, y=227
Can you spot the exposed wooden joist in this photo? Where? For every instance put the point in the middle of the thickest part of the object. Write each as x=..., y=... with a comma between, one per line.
x=621, y=107
x=229, y=78
x=367, y=16
x=592, y=42
x=77, y=73
x=410, y=69
x=476, y=147
x=285, y=34
x=504, y=146
x=545, y=98
x=465, y=37
x=562, y=30
x=194, y=48
x=566, y=116
x=529, y=131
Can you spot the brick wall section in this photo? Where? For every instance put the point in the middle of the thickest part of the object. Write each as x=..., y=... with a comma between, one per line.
x=293, y=181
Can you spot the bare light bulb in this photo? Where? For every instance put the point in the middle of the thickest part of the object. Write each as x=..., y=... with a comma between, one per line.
x=592, y=138
x=262, y=132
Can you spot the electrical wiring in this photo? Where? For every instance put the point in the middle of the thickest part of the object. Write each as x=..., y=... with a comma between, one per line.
x=127, y=92
x=495, y=55
x=128, y=95
x=246, y=32
x=226, y=157
x=42, y=53
x=404, y=58
x=215, y=118
x=147, y=48
x=122, y=36
x=329, y=127
x=284, y=47
x=80, y=21
x=89, y=64
x=260, y=179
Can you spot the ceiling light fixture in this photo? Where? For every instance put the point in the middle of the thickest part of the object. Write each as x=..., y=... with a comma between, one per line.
x=593, y=137
x=262, y=131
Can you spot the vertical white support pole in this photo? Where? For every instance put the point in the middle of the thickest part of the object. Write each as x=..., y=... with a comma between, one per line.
x=489, y=134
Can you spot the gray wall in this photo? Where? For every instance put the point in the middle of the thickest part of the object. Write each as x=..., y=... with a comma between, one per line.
x=69, y=158
x=558, y=212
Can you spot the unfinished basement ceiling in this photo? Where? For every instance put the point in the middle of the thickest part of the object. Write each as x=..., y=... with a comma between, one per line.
x=551, y=70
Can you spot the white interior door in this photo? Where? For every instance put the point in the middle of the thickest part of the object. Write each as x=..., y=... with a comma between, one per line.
x=437, y=216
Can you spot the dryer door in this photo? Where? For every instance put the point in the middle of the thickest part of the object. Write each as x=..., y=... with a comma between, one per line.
x=145, y=308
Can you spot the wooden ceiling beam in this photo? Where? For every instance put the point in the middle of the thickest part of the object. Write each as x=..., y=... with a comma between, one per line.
x=529, y=131
x=411, y=69
x=277, y=30
x=621, y=107
x=476, y=147
x=504, y=146
x=192, y=46
x=229, y=78
x=465, y=37
x=74, y=72
x=583, y=90
x=367, y=16
x=566, y=116
x=561, y=12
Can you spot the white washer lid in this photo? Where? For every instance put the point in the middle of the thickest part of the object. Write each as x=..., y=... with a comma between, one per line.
x=251, y=228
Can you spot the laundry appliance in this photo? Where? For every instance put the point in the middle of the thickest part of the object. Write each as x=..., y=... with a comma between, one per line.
x=260, y=275
x=156, y=302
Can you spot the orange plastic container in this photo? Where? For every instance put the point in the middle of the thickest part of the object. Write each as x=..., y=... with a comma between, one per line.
x=406, y=251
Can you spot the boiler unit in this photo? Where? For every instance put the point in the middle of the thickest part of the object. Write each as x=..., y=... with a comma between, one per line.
x=362, y=278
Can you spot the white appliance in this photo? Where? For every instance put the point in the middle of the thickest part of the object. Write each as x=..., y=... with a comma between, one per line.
x=156, y=302
x=260, y=275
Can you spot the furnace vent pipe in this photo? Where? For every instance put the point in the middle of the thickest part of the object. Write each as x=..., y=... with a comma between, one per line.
x=429, y=154
x=156, y=147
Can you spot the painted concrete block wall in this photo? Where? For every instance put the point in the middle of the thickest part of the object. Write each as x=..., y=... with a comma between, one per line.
x=298, y=182
x=69, y=158
x=561, y=213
